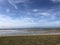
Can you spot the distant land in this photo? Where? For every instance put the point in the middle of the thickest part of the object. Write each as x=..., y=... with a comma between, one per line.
x=18, y=28
x=29, y=28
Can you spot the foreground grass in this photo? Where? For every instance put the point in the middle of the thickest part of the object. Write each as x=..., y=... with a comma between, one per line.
x=31, y=40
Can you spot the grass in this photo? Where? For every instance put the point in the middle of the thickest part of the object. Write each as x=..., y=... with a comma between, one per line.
x=31, y=40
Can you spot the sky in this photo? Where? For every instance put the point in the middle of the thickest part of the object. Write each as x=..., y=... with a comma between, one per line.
x=29, y=13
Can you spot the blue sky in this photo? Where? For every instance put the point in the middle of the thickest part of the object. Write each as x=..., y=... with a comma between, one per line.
x=29, y=13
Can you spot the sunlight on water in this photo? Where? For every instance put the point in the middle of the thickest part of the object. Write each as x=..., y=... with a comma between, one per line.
x=18, y=32
x=6, y=32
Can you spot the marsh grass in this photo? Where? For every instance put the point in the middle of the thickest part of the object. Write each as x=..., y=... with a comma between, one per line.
x=31, y=40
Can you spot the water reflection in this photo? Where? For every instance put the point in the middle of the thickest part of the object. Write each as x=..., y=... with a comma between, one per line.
x=16, y=32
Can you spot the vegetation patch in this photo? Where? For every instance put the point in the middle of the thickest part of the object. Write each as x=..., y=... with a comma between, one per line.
x=31, y=40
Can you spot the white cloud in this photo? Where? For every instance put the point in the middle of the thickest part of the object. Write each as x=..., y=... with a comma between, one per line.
x=44, y=13
x=55, y=1
x=50, y=14
x=48, y=24
x=6, y=22
x=14, y=2
x=35, y=10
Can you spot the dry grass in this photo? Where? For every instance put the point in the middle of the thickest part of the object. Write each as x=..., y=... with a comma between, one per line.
x=31, y=40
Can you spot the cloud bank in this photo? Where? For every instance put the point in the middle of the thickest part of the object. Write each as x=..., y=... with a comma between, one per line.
x=35, y=17
x=6, y=22
x=25, y=22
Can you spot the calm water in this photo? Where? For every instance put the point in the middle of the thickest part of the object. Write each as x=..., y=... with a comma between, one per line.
x=12, y=32
x=16, y=32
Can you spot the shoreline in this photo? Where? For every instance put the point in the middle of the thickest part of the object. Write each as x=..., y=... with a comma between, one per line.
x=28, y=35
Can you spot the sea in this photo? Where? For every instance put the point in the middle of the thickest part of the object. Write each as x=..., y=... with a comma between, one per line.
x=8, y=32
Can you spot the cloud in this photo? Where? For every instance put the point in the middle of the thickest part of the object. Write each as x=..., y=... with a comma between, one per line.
x=14, y=2
x=56, y=1
x=35, y=10
x=44, y=13
x=8, y=22
x=25, y=22
x=50, y=24
x=31, y=18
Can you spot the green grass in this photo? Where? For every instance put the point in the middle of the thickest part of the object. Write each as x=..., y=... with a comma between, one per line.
x=31, y=40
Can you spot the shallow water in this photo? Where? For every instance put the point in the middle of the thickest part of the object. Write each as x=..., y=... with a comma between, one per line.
x=16, y=32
